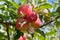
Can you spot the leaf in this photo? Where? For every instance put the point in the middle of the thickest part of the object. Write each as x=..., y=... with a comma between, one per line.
x=3, y=0
x=24, y=1
x=58, y=9
x=39, y=1
x=59, y=1
x=40, y=32
x=46, y=19
x=54, y=6
x=45, y=6
x=57, y=23
x=18, y=34
x=40, y=16
x=10, y=9
x=39, y=37
x=14, y=4
x=51, y=33
x=1, y=34
x=42, y=38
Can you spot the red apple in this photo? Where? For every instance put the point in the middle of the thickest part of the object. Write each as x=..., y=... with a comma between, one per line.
x=22, y=37
x=21, y=24
x=24, y=9
x=31, y=17
x=36, y=24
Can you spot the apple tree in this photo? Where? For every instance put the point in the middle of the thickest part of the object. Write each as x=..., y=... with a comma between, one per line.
x=29, y=20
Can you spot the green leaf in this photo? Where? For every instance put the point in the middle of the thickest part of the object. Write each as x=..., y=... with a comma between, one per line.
x=40, y=32
x=40, y=16
x=39, y=37
x=51, y=33
x=1, y=34
x=42, y=38
x=3, y=0
x=57, y=24
x=54, y=6
x=45, y=6
x=18, y=34
x=58, y=9
x=39, y=1
x=59, y=1
x=10, y=9
x=14, y=4
x=24, y=1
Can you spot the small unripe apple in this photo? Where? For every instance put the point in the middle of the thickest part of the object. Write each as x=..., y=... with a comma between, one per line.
x=24, y=9
x=44, y=11
x=22, y=37
x=36, y=24
x=21, y=24
x=31, y=17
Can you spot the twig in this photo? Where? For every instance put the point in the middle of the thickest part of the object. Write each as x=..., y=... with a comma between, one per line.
x=49, y=22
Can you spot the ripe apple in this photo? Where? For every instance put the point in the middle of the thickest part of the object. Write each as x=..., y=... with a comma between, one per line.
x=21, y=24
x=22, y=37
x=36, y=24
x=24, y=9
x=31, y=17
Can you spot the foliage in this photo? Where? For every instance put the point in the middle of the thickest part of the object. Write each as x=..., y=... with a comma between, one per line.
x=50, y=21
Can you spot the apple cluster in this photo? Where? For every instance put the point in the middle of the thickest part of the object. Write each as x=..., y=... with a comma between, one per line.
x=27, y=16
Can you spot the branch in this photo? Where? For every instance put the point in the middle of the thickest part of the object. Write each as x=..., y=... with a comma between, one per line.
x=49, y=22
x=7, y=31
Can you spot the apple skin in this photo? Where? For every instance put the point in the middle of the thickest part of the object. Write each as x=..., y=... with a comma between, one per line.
x=22, y=37
x=31, y=17
x=20, y=25
x=25, y=9
x=36, y=24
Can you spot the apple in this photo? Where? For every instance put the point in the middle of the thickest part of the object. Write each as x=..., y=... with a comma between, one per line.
x=21, y=24
x=22, y=37
x=31, y=17
x=36, y=24
x=24, y=9
x=44, y=11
